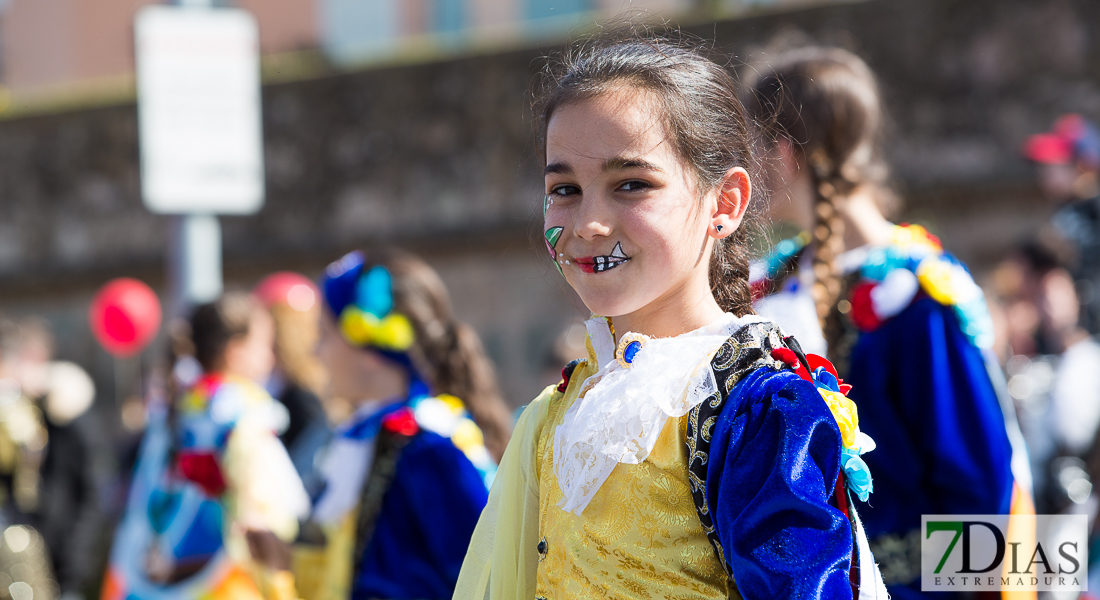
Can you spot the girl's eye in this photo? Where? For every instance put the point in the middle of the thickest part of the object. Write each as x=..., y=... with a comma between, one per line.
x=634, y=185
x=565, y=190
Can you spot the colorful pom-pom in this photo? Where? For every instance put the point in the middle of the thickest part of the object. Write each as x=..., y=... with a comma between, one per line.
x=937, y=279
x=401, y=421
x=858, y=475
x=395, y=332
x=374, y=293
x=863, y=308
x=844, y=411
x=897, y=290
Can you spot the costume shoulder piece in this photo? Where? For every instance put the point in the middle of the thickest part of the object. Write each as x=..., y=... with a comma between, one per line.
x=446, y=416
x=757, y=346
x=914, y=265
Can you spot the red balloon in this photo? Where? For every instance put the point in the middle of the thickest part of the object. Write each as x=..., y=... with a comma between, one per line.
x=125, y=316
x=287, y=287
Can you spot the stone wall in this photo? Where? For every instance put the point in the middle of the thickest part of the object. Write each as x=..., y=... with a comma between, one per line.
x=439, y=157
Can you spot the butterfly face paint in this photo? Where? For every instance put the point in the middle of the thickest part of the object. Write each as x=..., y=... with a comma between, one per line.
x=605, y=262
x=552, y=236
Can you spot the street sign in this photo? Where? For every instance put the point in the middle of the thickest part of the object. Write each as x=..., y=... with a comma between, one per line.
x=198, y=83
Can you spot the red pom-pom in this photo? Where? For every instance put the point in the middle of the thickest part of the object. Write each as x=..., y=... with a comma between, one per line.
x=789, y=358
x=863, y=309
x=201, y=468
x=759, y=288
x=401, y=421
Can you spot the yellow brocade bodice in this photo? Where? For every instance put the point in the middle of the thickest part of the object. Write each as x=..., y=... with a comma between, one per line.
x=639, y=537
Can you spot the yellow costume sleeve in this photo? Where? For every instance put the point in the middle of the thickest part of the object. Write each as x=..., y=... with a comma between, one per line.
x=502, y=560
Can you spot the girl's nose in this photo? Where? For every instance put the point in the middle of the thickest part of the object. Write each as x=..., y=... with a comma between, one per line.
x=592, y=220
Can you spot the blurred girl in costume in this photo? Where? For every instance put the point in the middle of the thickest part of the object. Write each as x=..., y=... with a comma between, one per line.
x=298, y=379
x=215, y=498
x=694, y=452
x=902, y=319
x=407, y=474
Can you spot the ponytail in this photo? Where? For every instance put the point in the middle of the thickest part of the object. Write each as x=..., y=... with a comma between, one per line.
x=446, y=353
x=729, y=273
x=463, y=370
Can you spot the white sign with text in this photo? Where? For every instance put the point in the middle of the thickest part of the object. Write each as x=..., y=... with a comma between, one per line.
x=198, y=83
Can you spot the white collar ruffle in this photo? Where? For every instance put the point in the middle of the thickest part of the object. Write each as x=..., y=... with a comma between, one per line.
x=621, y=410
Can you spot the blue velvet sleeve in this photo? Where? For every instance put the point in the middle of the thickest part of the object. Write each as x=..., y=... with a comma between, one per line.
x=925, y=396
x=773, y=466
x=427, y=519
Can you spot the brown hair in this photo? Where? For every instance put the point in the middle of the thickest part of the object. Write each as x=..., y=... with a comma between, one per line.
x=296, y=333
x=826, y=102
x=447, y=353
x=703, y=118
x=215, y=323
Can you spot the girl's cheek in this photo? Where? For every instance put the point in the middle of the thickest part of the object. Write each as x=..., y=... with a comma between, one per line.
x=551, y=235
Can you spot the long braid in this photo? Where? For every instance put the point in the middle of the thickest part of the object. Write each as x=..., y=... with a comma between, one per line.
x=827, y=235
x=825, y=102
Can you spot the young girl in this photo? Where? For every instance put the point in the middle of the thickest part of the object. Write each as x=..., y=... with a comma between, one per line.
x=215, y=498
x=694, y=453
x=903, y=320
x=408, y=473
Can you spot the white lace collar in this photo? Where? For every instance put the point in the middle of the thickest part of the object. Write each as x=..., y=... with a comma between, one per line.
x=622, y=408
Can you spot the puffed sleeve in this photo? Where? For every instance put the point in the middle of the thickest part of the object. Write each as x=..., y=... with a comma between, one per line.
x=773, y=466
x=502, y=560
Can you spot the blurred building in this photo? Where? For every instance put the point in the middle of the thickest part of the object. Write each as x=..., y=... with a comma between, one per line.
x=412, y=129
x=46, y=45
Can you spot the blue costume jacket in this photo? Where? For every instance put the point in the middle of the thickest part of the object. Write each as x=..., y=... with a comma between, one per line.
x=429, y=508
x=427, y=518
x=925, y=396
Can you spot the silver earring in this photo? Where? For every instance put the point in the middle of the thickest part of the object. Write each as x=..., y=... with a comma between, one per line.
x=718, y=228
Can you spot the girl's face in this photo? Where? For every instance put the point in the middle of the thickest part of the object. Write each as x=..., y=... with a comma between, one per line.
x=252, y=356
x=624, y=219
x=356, y=374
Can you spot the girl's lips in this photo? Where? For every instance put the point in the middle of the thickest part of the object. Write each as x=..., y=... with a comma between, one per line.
x=604, y=262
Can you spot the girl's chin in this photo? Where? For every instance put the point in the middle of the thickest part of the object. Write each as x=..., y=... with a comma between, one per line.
x=609, y=307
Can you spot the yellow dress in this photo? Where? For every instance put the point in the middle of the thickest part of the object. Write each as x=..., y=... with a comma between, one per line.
x=639, y=537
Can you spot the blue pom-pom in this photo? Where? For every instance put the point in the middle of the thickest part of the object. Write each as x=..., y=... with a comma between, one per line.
x=824, y=379
x=374, y=293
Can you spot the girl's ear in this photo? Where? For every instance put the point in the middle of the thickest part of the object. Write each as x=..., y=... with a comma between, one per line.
x=734, y=192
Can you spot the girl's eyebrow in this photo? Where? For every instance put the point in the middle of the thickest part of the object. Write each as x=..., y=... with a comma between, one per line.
x=559, y=168
x=612, y=164
x=621, y=164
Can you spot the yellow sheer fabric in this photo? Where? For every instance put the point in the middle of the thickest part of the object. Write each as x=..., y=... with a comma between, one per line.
x=502, y=561
x=640, y=536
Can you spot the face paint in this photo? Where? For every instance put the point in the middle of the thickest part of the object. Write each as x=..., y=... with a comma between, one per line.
x=546, y=202
x=552, y=236
x=606, y=262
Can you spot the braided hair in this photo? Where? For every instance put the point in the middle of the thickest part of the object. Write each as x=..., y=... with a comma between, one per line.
x=825, y=101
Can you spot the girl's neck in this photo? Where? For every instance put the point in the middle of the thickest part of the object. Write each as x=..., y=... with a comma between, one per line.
x=679, y=311
x=864, y=222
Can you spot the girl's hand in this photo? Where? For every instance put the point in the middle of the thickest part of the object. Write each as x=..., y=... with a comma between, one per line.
x=268, y=550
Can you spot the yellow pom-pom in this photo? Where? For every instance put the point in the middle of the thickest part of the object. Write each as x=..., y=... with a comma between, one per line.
x=395, y=333
x=844, y=411
x=358, y=327
x=452, y=402
x=467, y=436
x=936, y=277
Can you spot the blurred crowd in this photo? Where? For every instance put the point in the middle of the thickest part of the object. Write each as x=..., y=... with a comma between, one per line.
x=65, y=483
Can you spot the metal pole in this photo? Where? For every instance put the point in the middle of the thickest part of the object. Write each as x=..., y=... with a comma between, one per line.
x=194, y=261
x=195, y=255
